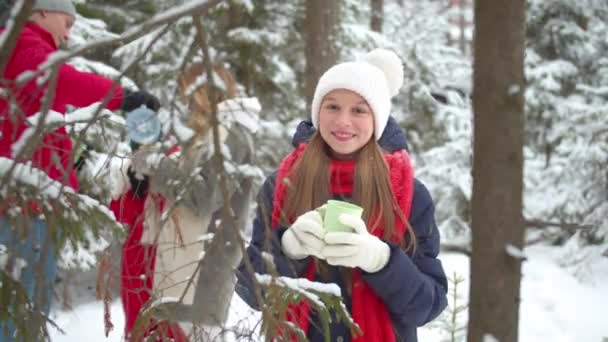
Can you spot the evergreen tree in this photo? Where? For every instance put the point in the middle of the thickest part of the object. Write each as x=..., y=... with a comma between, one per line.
x=567, y=133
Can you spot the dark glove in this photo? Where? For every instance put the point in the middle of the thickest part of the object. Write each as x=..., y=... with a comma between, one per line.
x=132, y=100
x=139, y=187
x=82, y=158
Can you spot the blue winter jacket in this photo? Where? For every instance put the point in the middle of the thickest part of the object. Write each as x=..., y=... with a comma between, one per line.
x=413, y=287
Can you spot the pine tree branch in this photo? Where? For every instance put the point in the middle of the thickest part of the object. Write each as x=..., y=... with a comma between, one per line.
x=35, y=139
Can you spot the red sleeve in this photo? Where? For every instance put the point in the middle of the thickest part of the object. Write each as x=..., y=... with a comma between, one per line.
x=81, y=89
x=76, y=88
x=128, y=209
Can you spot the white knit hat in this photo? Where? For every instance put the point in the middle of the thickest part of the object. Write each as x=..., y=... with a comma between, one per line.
x=377, y=78
x=65, y=6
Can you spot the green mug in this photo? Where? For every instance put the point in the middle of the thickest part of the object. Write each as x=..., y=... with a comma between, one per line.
x=332, y=210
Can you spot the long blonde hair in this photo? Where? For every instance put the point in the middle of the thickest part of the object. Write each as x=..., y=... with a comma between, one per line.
x=198, y=101
x=309, y=184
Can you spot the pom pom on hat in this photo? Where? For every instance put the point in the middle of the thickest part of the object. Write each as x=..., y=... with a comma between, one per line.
x=377, y=78
x=391, y=65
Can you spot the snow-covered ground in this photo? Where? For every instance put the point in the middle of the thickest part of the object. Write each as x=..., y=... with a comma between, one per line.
x=559, y=303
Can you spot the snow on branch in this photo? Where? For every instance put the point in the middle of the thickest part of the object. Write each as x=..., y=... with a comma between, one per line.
x=599, y=91
x=202, y=80
x=79, y=219
x=25, y=174
x=53, y=120
x=302, y=286
x=516, y=252
x=490, y=338
x=322, y=297
x=244, y=110
x=167, y=17
x=87, y=114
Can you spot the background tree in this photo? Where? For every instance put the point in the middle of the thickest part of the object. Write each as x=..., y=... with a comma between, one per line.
x=498, y=229
x=566, y=131
x=377, y=9
x=322, y=20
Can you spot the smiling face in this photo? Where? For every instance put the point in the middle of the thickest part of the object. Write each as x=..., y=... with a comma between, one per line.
x=346, y=123
x=58, y=24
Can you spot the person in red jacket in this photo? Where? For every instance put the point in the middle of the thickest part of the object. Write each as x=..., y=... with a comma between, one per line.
x=48, y=27
x=138, y=262
x=154, y=266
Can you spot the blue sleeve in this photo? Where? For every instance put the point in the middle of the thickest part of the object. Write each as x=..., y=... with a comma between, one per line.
x=265, y=240
x=414, y=287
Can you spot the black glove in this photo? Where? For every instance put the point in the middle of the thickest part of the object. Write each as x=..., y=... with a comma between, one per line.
x=132, y=100
x=82, y=158
x=139, y=187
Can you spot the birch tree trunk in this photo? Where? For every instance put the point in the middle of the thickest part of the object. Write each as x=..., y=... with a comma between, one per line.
x=322, y=22
x=497, y=220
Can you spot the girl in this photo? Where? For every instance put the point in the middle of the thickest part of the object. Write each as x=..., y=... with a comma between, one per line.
x=160, y=256
x=387, y=267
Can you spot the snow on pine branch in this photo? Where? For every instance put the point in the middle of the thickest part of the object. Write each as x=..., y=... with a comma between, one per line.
x=301, y=286
x=168, y=16
x=244, y=110
x=54, y=120
x=323, y=297
x=83, y=256
x=49, y=189
x=86, y=114
x=202, y=80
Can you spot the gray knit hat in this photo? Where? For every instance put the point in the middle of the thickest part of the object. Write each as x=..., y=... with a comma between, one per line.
x=65, y=6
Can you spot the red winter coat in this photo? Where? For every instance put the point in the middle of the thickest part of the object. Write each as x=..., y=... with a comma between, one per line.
x=74, y=87
x=137, y=268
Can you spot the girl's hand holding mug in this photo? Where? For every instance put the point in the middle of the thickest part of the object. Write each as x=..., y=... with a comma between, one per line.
x=304, y=237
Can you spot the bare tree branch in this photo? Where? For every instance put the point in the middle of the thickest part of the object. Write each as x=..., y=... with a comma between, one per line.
x=197, y=7
x=569, y=226
x=20, y=13
x=228, y=235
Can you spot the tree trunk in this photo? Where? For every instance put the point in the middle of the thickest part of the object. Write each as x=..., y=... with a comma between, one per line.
x=217, y=278
x=377, y=15
x=497, y=219
x=322, y=21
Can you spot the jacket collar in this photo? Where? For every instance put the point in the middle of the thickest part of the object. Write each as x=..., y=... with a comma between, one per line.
x=44, y=34
x=392, y=139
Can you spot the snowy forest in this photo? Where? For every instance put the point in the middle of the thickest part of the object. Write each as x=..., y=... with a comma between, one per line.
x=276, y=51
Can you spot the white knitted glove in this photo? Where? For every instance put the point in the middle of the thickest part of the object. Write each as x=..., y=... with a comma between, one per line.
x=359, y=249
x=304, y=237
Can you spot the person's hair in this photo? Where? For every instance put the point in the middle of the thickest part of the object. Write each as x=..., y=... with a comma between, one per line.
x=308, y=185
x=197, y=99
